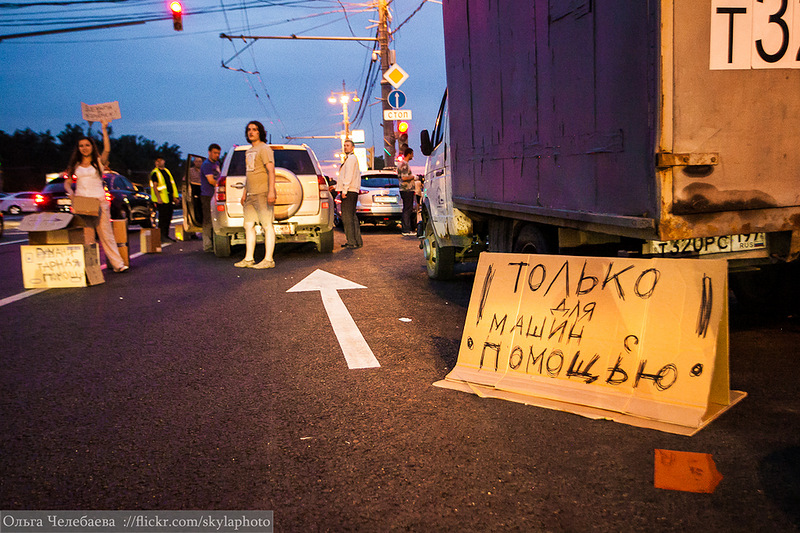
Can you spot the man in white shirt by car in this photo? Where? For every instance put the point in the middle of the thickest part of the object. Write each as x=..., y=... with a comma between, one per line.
x=348, y=185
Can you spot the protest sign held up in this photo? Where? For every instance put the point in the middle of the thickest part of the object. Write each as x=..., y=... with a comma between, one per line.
x=99, y=112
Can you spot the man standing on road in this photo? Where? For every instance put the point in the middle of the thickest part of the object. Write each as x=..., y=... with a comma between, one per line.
x=259, y=196
x=209, y=174
x=407, y=191
x=164, y=193
x=348, y=185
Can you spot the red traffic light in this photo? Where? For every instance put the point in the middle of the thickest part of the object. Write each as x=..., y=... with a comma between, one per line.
x=177, y=15
x=402, y=127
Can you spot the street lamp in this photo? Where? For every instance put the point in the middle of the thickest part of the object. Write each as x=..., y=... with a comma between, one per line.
x=344, y=98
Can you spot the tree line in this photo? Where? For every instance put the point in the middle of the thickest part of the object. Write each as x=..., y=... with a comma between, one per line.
x=26, y=156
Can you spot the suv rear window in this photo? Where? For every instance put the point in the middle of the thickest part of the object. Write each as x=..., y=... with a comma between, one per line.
x=297, y=161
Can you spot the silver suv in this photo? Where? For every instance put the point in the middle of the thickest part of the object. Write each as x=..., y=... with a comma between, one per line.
x=307, y=217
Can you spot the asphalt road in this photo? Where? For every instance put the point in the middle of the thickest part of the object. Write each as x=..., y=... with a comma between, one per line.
x=187, y=383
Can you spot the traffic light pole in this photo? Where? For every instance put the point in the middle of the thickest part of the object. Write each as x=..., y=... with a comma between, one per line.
x=386, y=88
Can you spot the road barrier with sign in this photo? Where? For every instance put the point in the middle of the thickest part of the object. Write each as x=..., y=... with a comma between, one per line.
x=639, y=341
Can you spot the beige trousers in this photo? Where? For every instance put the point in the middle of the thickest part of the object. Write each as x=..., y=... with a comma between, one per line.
x=102, y=225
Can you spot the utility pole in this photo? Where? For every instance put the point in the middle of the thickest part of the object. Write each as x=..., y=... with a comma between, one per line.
x=383, y=40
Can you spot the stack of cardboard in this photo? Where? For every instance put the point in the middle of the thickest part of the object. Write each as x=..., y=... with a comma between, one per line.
x=150, y=241
x=121, y=236
x=62, y=252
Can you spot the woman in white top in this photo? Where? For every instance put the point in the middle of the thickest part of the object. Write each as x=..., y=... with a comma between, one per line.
x=86, y=169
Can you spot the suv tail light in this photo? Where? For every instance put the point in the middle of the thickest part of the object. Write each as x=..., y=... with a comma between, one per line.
x=221, y=190
x=323, y=184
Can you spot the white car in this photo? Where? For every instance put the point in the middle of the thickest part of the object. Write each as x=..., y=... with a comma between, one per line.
x=378, y=199
x=307, y=218
x=19, y=202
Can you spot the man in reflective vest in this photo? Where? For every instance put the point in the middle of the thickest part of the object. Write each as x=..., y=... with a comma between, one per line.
x=164, y=193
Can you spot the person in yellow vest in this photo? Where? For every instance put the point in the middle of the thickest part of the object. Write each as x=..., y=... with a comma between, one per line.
x=164, y=193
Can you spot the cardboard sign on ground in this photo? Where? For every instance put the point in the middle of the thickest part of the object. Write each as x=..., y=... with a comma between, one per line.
x=150, y=240
x=124, y=252
x=639, y=341
x=120, y=230
x=60, y=266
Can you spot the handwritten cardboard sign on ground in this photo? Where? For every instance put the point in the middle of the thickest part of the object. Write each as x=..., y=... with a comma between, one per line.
x=639, y=341
x=60, y=266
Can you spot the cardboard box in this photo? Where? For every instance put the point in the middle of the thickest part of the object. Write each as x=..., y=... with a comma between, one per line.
x=150, y=240
x=56, y=228
x=125, y=253
x=60, y=266
x=84, y=205
x=79, y=235
x=120, y=230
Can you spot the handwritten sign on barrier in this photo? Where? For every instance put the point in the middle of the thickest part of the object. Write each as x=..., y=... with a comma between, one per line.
x=60, y=266
x=98, y=112
x=639, y=341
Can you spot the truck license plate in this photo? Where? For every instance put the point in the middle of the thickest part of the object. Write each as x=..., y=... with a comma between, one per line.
x=707, y=245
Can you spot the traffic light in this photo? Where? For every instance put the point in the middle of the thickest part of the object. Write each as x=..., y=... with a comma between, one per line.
x=177, y=15
x=402, y=132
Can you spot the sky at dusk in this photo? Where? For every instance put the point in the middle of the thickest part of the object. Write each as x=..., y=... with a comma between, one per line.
x=172, y=87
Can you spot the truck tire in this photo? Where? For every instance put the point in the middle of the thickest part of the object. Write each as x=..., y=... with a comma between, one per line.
x=440, y=260
x=222, y=245
x=532, y=239
x=325, y=242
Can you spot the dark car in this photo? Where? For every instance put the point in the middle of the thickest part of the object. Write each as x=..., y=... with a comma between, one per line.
x=126, y=200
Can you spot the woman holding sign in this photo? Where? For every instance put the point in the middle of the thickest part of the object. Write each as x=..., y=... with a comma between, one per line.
x=86, y=170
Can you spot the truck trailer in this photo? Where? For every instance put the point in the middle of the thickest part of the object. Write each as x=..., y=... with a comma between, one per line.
x=666, y=128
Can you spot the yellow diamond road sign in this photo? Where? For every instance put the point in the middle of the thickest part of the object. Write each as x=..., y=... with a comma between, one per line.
x=396, y=76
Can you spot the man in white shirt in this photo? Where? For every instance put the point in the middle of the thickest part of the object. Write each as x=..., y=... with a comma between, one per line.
x=348, y=185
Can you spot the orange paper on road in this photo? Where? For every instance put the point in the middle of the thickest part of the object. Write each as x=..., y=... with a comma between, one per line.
x=686, y=471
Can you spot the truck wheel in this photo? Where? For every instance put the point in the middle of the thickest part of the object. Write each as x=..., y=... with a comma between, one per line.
x=440, y=260
x=533, y=240
x=325, y=243
x=222, y=245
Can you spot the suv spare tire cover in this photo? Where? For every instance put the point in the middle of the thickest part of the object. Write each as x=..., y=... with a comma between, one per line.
x=289, y=193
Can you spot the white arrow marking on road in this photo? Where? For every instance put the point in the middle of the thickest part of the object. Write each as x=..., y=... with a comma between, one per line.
x=356, y=350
